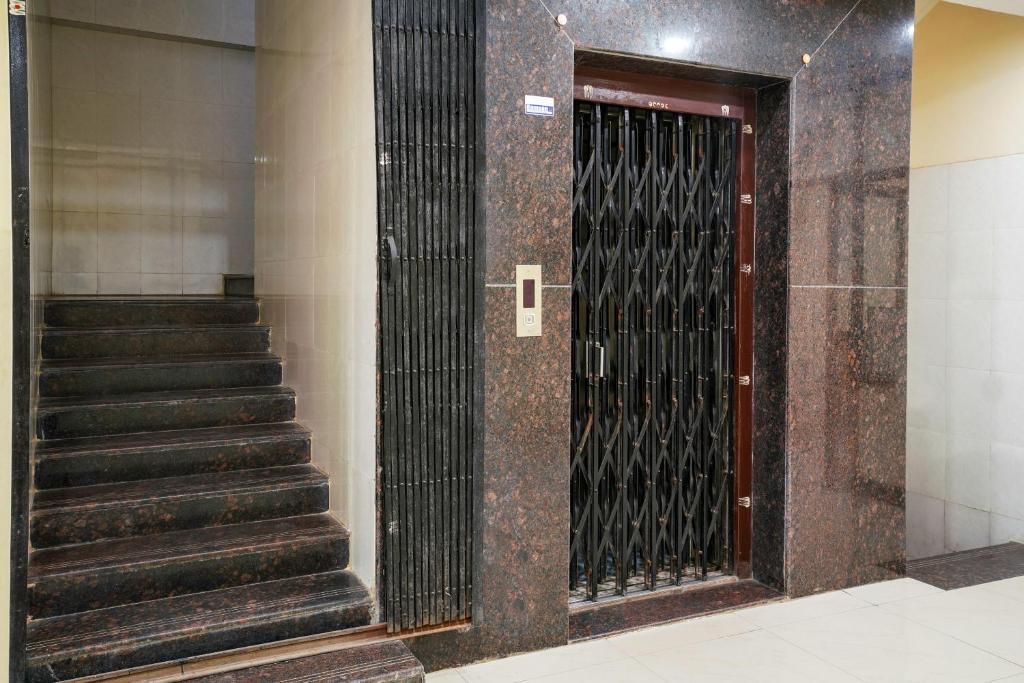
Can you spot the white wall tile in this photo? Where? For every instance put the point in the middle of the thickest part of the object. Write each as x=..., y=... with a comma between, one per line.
x=1009, y=181
x=926, y=396
x=1008, y=336
x=159, y=69
x=161, y=244
x=926, y=331
x=971, y=396
x=926, y=462
x=969, y=261
x=203, y=19
x=74, y=119
x=966, y=528
x=73, y=10
x=74, y=242
x=73, y=58
x=929, y=199
x=239, y=78
x=926, y=519
x=118, y=13
x=973, y=195
x=117, y=183
x=1005, y=529
x=205, y=245
x=969, y=334
x=74, y=181
x=1007, y=472
x=967, y=472
x=240, y=22
x=117, y=123
x=120, y=248
x=117, y=63
x=927, y=277
x=74, y=283
x=201, y=283
x=161, y=283
x=120, y=283
x=201, y=77
x=1006, y=425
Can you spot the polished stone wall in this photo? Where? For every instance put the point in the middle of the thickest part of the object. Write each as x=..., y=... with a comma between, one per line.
x=830, y=306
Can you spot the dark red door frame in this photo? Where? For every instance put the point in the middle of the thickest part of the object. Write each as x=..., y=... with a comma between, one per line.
x=710, y=99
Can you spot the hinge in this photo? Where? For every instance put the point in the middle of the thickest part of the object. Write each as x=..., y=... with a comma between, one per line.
x=744, y=502
x=746, y=199
x=744, y=380
x=588, y=91
x=725, y=110
x=745, y=269
x=748, y=129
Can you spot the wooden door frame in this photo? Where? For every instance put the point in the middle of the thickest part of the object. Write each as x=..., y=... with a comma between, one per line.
x=710, y=99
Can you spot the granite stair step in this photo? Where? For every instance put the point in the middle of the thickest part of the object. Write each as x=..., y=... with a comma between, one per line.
x=112, y=376
x=88, y=643
x=389, y=661
x=63, y=418
x=88, y=576
x=91, y=513
x=92, y=460
x=147, y=312
x=67, y=343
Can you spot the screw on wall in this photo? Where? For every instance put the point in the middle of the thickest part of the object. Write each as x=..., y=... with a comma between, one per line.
x=561, y=20
x=806, y=58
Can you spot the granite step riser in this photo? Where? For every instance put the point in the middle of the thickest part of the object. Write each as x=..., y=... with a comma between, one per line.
x=56, y=595
x=330, y=618
x=83, y=525
x=149, y=343
x=114, y=418
x=142, y=378
x=120, y=314
x=102, y=467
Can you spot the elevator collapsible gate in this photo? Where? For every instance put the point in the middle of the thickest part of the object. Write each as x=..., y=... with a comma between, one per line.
x=653, y=323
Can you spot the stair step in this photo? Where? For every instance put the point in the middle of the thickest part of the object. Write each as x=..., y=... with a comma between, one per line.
x=389, y=661
x=143, y=312
x=91, y=513
x=66, y=343
x=107, y=376
x=91, y=576
x=64, y=418
x=88, y=643
x=128, y=457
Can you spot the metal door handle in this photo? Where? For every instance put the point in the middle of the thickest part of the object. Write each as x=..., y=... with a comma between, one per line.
x=393, y=255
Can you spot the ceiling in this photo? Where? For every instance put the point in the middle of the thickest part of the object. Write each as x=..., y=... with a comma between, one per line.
x=1006, y=6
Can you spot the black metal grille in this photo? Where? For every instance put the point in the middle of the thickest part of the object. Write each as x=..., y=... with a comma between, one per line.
x=425, y=59
x=654, y=197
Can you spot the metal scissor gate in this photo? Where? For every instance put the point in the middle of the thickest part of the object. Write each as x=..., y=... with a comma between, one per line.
x=654, y=213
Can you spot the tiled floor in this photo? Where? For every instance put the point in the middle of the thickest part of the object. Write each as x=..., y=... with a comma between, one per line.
x=900, y=630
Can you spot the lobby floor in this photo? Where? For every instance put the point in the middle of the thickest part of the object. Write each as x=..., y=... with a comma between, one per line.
x=902, y=630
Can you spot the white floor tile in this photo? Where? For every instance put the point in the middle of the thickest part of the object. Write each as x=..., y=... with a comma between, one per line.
x=888, y=591
x=669, y=636
x=800, y=609
x=753, y=657
x=446, y=676
x=543, y=663
x=979, y=616
x=1011, y=588
x=622, y=671
x=878, y=646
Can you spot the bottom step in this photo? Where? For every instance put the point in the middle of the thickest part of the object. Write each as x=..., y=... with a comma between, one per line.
x=387, y=662
x=66, y=647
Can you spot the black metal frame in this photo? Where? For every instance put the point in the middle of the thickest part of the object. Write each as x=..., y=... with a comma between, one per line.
x=429, y=299
x=22, y=341
x=654, y=316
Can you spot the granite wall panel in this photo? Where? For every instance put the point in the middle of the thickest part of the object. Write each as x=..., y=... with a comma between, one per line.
x=830, y=300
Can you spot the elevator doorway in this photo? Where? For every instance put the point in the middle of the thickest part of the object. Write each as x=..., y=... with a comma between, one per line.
x=660, y=449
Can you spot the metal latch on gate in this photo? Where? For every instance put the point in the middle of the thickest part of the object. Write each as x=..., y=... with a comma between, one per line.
x=594, y=347
x=744, y=502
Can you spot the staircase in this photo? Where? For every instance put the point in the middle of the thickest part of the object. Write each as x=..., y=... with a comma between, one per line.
x=175, y=510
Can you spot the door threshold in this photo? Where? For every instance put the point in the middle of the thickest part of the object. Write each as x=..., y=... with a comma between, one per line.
x=628, y=613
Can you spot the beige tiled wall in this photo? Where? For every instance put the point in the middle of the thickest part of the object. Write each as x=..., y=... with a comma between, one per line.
x=153, y=163
x=41, y=148
x=226, y=21
x=316, y=236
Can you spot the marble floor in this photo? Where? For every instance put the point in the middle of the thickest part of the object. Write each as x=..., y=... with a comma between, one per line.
x=902, y=630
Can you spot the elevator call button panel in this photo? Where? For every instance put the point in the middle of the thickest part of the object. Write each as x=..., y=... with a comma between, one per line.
x=528, y=301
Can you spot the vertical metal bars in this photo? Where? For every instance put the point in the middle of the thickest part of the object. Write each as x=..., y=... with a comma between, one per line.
x=654, y=212
x=425, y=78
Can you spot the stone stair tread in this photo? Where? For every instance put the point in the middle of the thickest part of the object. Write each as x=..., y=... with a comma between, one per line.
x=126, y=311
x=144, y=441
x=389, y=661
x=58, y=403
x=125, y=362
x=86, y=643
x=135, y=329
x=176, y=546
x=145, y=491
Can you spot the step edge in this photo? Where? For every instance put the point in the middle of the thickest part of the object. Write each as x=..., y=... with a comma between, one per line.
x=57, y=453
x=46, y=403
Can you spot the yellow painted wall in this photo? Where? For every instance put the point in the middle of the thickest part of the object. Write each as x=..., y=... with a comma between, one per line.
x=6, y=352
x=968, y=89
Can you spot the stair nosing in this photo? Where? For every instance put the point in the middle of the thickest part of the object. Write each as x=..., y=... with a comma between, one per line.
x=134, y=329
x=310, y=476
x=52, y=449
x=53, y=365
x=58, y=404
x=121, y=636
x=331, y=529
